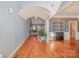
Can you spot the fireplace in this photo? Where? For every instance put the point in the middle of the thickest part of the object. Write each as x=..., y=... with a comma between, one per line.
x=59, y=36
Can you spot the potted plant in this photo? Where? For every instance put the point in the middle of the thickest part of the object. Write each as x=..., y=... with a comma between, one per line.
x=42, y=35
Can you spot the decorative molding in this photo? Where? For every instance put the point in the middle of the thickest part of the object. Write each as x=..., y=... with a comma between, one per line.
x=65, y=16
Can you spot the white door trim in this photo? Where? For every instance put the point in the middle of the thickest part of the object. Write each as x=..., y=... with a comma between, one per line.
x=69, y=28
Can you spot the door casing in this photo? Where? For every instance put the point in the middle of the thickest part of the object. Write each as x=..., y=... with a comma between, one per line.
x=75, y=29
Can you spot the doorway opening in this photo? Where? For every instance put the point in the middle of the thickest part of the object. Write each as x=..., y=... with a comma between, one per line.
x=37, y=27
x=72, y=32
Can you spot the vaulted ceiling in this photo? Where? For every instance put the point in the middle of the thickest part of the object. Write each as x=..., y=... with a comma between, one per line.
x=70, y=10
x=35, y=11
x=43, y=9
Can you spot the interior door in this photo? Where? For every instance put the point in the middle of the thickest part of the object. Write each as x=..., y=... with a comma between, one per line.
x=72, y=31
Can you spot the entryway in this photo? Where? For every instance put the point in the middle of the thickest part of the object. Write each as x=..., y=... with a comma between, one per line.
x=36, y=27
x=72, y=32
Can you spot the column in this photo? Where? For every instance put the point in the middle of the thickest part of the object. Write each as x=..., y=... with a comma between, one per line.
x=47, y=21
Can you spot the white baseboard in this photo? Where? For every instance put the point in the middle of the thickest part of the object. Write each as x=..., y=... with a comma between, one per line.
x=66, y=36
x=16, y=49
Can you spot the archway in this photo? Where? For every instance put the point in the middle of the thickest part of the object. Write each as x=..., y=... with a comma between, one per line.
x=37, y=27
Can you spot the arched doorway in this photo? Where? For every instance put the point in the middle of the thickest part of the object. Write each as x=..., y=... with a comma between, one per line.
x=36, y=26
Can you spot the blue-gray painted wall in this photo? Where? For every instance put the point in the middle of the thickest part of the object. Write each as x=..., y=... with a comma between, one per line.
x=65, y=21
x=12, y=29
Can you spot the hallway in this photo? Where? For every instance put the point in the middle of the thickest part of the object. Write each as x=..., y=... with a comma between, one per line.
x=34, y=48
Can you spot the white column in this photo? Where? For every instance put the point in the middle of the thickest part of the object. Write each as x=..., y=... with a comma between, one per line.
x=47, y=21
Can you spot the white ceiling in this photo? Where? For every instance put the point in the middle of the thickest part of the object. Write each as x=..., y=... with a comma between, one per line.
x=43, y=9
x=71, y=10
x=34, y=11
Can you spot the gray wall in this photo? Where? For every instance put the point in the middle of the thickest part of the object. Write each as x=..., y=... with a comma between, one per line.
x=12, y=29
x=65, y=20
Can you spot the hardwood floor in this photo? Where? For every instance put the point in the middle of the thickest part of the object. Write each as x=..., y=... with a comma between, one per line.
x=34, y=48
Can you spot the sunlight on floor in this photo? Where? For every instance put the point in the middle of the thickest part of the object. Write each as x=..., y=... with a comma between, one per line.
x=51, y=45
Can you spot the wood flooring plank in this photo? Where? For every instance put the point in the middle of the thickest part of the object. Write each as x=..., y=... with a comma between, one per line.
x=34, y=48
